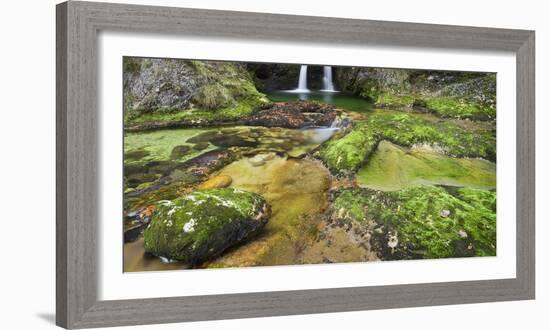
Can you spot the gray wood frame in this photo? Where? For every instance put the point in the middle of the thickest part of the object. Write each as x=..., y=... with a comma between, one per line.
x=77, y=186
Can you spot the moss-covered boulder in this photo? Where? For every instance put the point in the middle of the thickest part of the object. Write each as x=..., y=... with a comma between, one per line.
x=161, y=93
x=346, y=154
x=423, y=222
x=203, y=224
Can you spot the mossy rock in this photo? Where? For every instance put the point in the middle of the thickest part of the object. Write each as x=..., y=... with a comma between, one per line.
x=423, y=222
x=180, y=151
x=448, y=94
x=345, y=155
x=136, y=154
x=201, y=146
x=203, y=224
x=167, y=93
x=459, y=108
x=204, y=137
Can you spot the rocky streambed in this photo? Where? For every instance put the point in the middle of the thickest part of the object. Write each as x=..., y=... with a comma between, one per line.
x=284, y=187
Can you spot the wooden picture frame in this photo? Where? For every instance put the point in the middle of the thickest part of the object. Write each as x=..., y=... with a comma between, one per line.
x=78, y=24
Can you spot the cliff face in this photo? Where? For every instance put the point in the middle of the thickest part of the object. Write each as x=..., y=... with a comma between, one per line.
x=172, y=85
x=448, y=94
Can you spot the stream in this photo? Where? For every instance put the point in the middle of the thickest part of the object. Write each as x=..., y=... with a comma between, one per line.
x=296, y=187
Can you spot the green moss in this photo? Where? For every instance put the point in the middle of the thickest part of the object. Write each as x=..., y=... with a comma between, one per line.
x=226, y=85
x=460, y=95
x=453, y=139
x=131, y=64
x=346, y=154
x=203, y=224
x=428, y=222
x=349, y=205
x=481, y=222
x=196, y=117
x=459, y=108
x=226, y=93
x=394, y=100
x=392, y=168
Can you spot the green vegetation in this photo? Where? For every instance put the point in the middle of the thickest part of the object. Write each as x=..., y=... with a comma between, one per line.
x=395, y=100
x=234, y=180
x=226, y=85
x=350, y=206
x=461, y=95
x=203, y=224
x=424, y=221
x=197, y=117
x=347, y=154
x=204, y=93
x=455, y=108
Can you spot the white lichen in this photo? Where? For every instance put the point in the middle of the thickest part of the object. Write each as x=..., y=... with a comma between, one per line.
x=392, y=242
x=189, y=226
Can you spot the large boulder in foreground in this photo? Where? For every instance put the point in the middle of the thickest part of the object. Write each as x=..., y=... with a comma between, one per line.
x=203, y=224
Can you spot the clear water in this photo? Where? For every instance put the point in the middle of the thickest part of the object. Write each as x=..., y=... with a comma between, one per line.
x=338, y=100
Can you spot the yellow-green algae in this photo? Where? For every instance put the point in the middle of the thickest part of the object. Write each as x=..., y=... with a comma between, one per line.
x=160, y=143
x=297, y=191
x=392, y=168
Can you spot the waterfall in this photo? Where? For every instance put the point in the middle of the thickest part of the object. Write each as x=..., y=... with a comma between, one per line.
x=302, y=82
x=328, y=86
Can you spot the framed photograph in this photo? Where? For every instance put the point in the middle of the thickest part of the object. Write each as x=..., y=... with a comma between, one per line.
x=215, y=164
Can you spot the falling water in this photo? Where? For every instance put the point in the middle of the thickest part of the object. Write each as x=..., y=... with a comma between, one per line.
x=328, y=86
x=302, y=82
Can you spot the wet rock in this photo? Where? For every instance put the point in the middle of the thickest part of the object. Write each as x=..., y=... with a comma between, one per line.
x=343, y=123
x=203, y=224
x=136, y=154
x=204, y=137
x=160, y=166
x=135, y=222
x=220, y=181
x=131, y=233
x=201, y=146
x=196, y=169
x=179, y=151
x=257, y=160
x=136, y=179
x=173, y=85
x=294, y=115
x=134, y=168
x=226, y=141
